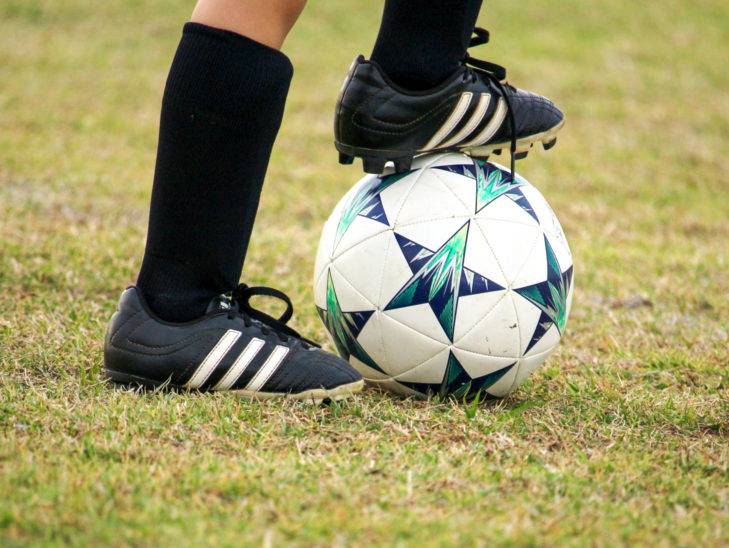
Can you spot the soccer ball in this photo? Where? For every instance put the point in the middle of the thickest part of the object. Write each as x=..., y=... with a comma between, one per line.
x=449, y=278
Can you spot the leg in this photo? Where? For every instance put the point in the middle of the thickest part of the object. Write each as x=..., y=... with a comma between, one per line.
x=267, y=22
x=422, y=42
x=186, y=324
x=221, y=112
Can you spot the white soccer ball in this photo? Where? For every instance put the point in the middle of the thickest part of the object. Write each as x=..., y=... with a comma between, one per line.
x=447, y=279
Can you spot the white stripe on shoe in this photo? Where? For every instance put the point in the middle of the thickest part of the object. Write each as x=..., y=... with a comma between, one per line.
x=267, y=369
x=211, y=361
x=473, y=122
x=241, y=363
x=491, y=128
x=451, y=122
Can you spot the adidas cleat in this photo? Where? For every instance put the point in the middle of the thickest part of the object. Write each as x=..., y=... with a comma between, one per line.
x=474, y=111
x=233, y=348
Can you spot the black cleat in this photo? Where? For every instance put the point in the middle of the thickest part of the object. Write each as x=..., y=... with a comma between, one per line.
x=474, y=111
x=233, y=348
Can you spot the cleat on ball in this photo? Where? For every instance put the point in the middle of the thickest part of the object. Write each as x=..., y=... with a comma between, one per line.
x=473, y=111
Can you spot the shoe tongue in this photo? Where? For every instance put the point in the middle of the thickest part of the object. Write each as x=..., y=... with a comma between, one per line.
x=221, y=302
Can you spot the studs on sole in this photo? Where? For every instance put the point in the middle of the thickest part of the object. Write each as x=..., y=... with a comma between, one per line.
x=403, y=164
x=374, y=165
x=521, y=155
x=549, y=144
x=345, y=159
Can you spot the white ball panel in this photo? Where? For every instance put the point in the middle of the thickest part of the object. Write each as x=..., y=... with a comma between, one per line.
x=496, y=334
x=370, y=339
x=350, y=299
x=534, y=269
x=420, y=318
x=395, y=273
x=481, y=259
x=395, y=195
x=431, y=371
x=473, y=309
x=511, y=243
x=404, y=347
x=363, y=264
x=462, y=188
x=430, y=198
x=361, y=230
x=478, y=365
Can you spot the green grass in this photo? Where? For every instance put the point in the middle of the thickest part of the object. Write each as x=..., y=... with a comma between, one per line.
x=619, y=439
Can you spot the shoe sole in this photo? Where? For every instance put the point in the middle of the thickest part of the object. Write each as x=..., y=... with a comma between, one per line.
x=547, y=138
x=315, y=395
x=374, y=160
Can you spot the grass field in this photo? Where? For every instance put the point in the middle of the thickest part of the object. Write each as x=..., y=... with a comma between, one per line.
x=619, y=439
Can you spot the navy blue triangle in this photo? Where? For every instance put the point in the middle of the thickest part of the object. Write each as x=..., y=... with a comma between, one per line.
x=415, y=254
x=473, y=283
x=357, y=320
x=375, y=210
x=543, y=325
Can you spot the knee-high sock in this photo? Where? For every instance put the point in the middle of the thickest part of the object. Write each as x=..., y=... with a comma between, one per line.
x=221, y=111
x=421, y=42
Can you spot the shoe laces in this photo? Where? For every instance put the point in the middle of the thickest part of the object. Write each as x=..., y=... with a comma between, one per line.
x=241, y=307
x=497, y=75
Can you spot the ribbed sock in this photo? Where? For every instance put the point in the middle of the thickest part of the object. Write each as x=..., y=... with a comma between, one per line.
x=421, y=42
x=221, y=111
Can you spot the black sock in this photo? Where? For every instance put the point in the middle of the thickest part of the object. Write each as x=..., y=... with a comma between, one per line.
x=221, y=111
x=421, y=42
